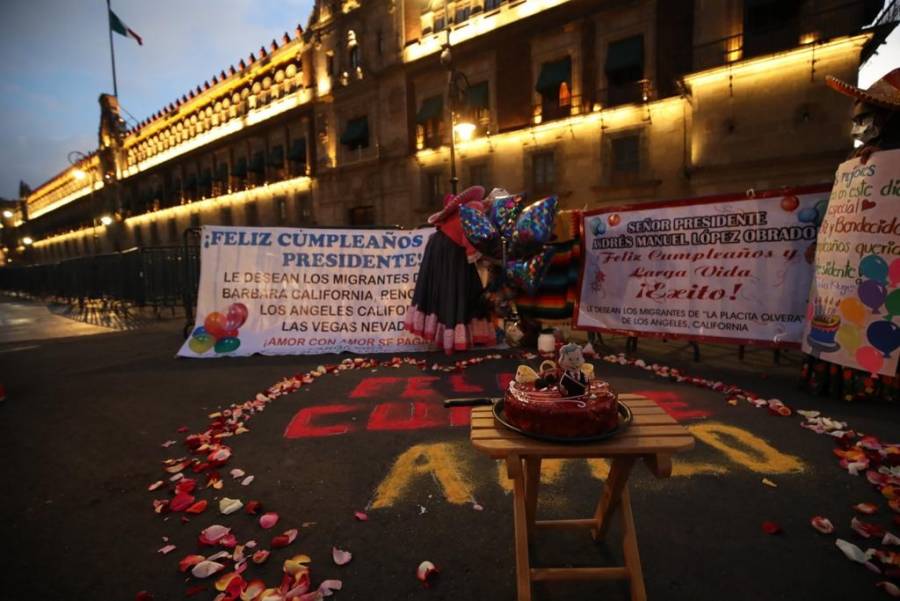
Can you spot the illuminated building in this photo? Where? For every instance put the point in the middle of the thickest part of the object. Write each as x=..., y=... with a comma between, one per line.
x=598, y=101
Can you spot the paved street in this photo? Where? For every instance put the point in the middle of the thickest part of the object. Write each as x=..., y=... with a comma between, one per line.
x=83, y=429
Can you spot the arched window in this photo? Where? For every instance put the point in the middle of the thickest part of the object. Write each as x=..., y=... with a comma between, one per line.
x=353, y=50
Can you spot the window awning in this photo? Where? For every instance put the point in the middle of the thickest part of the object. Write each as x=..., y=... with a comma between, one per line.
x=477, y=96
x=553, y=75
x=298, y=150
x=356, y=133
x=432, y=108
x=627, y=54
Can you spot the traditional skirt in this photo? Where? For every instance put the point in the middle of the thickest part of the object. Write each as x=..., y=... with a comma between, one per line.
x=447, y=305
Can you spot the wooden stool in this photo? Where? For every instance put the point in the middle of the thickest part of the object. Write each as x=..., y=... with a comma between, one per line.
x=653, y=436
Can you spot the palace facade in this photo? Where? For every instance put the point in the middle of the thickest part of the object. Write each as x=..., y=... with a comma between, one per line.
x=347, y=122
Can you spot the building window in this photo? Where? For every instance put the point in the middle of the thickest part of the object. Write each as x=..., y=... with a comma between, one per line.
x=479, y=106
x=439, y=21
x=554, y=84
x=433, y=196
x=379, y=43
x=195, y=219
x=251, y=213
x=354, y=57
x=479, y=176
x=304, y=210
x=626, y=158
x=329, y=62
x=225, y=215
x=297, y=156
x=492, y=4
x=770, y=25
x=356, y=134
x=173, y=231
x=543, y=172
x=362, y=215
x=462, y=13
x=625, y=71
x=429, y=122
x=154, y=233
x=281, y=210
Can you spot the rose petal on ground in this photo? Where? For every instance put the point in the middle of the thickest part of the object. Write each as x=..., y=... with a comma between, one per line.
x=181, y=501
x=340, y=556
x=771, y=527
x=822, y=524
x=253, y=507
x=866, y=508
x=260, y=556
x=295, y=564
x=215, y=532
x=218, y=556
x=247, y=480
x=426, y=572
x=224, y=580
x=283, y=540
x=205, y=569
x=312, y=596
x=193, y=590
x=229, y=541
x=852, y=552
x=177, y=467
x=155, y=485
x=167, y=549
x=865, y=529
x=267, y=520
x=768, y=482
x=328, y=586
x=889, y=587
x=185, y=485
x=198, y=507
x=254, y=588
x=143, y=596
x=236, y=473
x=228, y=506
x=188, y=561
x=361, y=516
x=890, y=539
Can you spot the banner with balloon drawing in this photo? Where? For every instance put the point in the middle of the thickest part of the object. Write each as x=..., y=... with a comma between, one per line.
x=730, y=268
x=854, y=306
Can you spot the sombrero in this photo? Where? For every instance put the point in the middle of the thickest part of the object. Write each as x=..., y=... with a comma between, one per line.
x=884, y=93
x=452, y=203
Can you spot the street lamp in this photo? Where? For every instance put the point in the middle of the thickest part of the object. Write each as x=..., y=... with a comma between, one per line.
x=106, y=220
x=457, y=86
x=8, y=214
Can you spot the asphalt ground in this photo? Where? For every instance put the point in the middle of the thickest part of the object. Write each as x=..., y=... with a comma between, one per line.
x=82, y=429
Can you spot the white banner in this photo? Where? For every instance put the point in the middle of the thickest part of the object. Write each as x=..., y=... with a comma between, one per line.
x=716, y=269
x=855, y=301
x=280, y=291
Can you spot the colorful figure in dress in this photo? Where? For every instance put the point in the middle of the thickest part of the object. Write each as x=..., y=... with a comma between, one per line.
x=572, y=381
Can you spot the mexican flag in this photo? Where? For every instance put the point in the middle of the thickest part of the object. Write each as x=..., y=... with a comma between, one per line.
x=117, y=25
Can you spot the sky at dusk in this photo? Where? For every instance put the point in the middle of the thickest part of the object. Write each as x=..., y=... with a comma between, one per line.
x=56, y=64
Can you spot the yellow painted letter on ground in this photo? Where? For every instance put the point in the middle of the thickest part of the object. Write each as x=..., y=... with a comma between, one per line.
x=745, y=449
x=439, y=461
x=551, y=470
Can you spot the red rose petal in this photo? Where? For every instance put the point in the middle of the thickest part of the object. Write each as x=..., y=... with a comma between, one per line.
x=143, y=596
x=361, y=516
x=194, y=590
x=822, y=524
x=189, y=561
x=198, y=507
x=771, y=527
x=866, y=508
x=181, y=502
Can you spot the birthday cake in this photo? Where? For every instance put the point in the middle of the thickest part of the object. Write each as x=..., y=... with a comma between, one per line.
x=563, y=402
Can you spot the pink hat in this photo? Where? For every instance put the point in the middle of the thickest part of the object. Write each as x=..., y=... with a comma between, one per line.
x=452, y=203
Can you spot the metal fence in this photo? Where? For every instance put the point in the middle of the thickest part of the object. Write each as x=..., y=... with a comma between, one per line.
x=163, y=277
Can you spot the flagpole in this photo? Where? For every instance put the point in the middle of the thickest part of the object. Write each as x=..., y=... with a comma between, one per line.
x=112, y=53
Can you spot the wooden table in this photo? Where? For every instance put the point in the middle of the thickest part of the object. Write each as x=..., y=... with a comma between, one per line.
x=653, y=436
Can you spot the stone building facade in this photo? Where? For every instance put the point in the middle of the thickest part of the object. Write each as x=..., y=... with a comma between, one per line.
x=598, y=101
